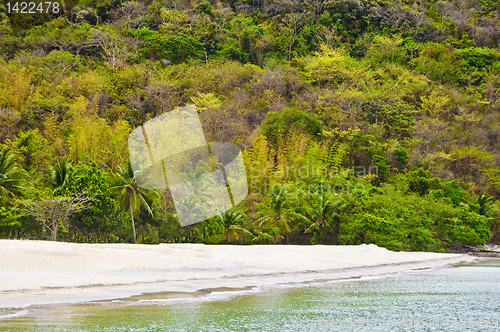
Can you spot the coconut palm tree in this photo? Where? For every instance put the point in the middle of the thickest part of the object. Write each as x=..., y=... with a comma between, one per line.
x=484, y=205
x=189, y=210
x=267, y=237
x=60, y=172
x=324, y=211
x=199, y=182
x=279, y=213
x=232, y=220
x=130, y=195
x=13, y=179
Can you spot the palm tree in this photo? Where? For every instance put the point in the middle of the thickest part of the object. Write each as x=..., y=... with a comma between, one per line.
x=199, y=183
x=232, y=220
x=189, y=210
x=265, y=237
x=484, y=205
x=130, y=195
x=60, y=172
x=145, y=220
x=13, y=179
x=279, y=214
x=324, y=211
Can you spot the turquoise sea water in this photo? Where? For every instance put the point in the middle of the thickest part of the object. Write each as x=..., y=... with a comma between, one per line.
x=460, y=298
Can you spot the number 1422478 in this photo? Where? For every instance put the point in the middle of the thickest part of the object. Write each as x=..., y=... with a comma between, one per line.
x=33, y=8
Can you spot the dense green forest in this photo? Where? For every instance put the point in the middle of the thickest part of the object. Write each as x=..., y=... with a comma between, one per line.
x=361, y=121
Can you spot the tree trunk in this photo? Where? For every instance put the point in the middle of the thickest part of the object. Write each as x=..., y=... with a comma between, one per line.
x=133, y=226
x=54, y=234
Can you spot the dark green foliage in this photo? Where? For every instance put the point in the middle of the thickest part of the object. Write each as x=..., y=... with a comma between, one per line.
x=102, y=7
x=440, y=62
x=177, y=48
x=419, y=181
x=290, y=119
x=181, y=47
x=60, y=172
x=342, y=91
x=484, y=205
x=401, y=155
x=382, y=168
x=479, y=57
x=13, y=179
x=103, y=214
x=453, y=192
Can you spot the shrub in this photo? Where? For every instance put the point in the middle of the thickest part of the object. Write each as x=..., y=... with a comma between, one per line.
x=277, y=123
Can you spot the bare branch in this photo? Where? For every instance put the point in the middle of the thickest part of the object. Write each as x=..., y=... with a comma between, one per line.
x=53, y=212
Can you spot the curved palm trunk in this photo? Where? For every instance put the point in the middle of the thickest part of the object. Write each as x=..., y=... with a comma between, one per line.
x=133, y=226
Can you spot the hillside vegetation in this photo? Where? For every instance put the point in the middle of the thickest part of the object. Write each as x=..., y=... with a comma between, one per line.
x=361, y=121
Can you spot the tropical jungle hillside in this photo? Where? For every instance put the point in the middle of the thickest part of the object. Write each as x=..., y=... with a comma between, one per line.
x=360, y=121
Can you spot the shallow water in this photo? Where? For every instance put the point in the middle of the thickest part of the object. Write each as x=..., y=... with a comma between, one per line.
x=460, y=298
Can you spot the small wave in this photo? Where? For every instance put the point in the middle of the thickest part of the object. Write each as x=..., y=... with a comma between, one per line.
x=21, y=313
x=213, y=296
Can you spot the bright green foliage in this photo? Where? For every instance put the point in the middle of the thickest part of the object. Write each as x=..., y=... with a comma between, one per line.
x=322, y=96
x=130, y=196
x=336, y=155
x=36, y=151
x=92, y=139
x=332, y=66
x=393, y=220
x=13, y=179
x=60, y=172
x=103, y=214
x=153, y=45
x=386, y=49
x=232, y=221
x=324, y=212
x=270, y=235
x=177, y=48
x=452, y=192
x=9, y=220
x=279, y=213
x=479, y=57
x=469, y=228
x=13, y=224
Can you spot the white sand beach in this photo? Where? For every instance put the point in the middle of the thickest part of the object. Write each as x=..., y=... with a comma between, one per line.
x=43, y=272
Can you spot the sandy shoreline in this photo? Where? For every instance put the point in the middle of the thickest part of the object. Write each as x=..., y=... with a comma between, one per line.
x=42, y=272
